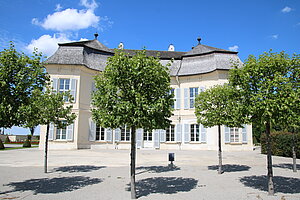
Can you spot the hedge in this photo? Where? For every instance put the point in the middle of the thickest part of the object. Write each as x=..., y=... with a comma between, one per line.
x=282, y=143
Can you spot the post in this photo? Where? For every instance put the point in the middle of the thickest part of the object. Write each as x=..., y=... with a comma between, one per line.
x=132, y=163
x=220, y=150
x=269, y=159
x=46, y=149
x=294, y=153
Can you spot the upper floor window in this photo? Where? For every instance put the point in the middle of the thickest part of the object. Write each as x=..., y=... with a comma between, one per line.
x=173, y=92
x=64, y=85
x=193, y=94
x=170, y=133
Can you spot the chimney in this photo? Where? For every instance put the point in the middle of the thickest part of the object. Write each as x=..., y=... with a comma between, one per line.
x=171, y=47
x=96, y=35
x=121, y=45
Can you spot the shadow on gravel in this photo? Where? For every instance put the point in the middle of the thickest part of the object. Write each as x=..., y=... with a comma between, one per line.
x=164, y=185
x=77, y=168
x=230, y=168
x=287, y=166
x=157, y=169
x=52, y=185
x=281, y=184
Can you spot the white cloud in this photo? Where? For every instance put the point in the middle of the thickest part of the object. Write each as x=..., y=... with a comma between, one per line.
x=89, y=5
x=286, y=9
x=58, y=7
x=275, y=36
x=234, y=48
x=69, y=20
x=47, y=44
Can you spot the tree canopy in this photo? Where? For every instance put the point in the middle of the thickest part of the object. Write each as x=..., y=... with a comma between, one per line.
x=20, y=75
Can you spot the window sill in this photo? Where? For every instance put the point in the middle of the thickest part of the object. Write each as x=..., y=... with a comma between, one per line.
x=234, y=143
x=192, y=142
x=172, y=142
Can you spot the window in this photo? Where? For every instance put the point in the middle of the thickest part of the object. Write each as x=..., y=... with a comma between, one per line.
x=61, y=133
x=125, y=133
x=173, y=92
x=147, y=135
x=100, y=133
x=193, y=94
x=195, y=132
x=64, y=86
x=170, y=133
x=234, y=134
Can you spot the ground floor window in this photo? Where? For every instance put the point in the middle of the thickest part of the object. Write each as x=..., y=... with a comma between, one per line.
x=195, y=132
x=100, y=133
x=125, y=133
x=170, y=133
x=61, y=133
x=147, y=136
x=234, y=134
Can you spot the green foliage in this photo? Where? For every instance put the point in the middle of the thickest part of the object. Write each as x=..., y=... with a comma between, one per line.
x=281, y=144
x=20, y=75
x=219, y=105
x=1, y=145
x=134, y=91
x=27, y=143
x=270, y=86
x=7, y=140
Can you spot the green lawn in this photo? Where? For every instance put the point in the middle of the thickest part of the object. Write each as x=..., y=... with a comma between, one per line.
x=11, y=148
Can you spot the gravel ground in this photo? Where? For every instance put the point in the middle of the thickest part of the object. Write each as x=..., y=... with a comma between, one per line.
x=104, y=175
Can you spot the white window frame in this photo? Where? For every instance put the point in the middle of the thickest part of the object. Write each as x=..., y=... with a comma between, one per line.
x=64, y=89
x=147, y=135
x=193, y=132
x=100, y=131
x=170, y=131
x=59, y=132
x=195, y=92
x=125, y=134
x=234, y=135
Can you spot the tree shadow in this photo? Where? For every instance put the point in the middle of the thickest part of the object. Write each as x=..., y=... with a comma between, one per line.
x=157, y=169
x=287, y=166
x=78, y=168
x=230, y=168
x=52, y=185
x=281, y=184
x=163, y=185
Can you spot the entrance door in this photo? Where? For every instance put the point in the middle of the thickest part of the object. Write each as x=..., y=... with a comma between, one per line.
x=148, y=139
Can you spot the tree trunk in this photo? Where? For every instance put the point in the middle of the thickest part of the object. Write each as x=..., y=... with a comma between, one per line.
x=46, y=149
x=220, y=150
x=132, y=163
x=269, y=159
x=32, y=131
x=294, y=153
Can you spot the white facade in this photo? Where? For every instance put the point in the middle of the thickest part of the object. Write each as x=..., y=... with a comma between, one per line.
x=184, y=133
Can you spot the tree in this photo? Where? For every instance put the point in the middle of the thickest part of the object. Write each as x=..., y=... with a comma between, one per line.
x=133, y=91
x=52, y=109
x=19, y=76
x=217, y=106
x=270, y=84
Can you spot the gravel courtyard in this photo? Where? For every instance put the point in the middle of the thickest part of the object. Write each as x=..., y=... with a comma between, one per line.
x=104, y=174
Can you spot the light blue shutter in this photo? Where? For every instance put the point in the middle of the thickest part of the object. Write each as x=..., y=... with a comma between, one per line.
x=55, y=84
x=73, y=89
x=93, y=87
x=244, y=134
x=117, y=134
x=227, y=134
x=186, y=98
x=156, y=138
x=187, y=134
x=139, y=137
x=178, y=133
x=177, y=98
x=162, y=135
x=203, y=133
x=108, y=135
x=51, y=131
x=92, y=132
x=70, y=132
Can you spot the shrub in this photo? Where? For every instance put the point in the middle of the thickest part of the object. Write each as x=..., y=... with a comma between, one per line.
x=7, y=140
x=1, y=145
x=27, y=143
x=282, y=143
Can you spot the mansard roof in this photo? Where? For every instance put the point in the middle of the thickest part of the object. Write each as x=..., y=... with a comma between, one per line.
x=93, y=54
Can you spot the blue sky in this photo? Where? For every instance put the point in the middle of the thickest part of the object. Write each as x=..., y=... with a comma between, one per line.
x=249, y=27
